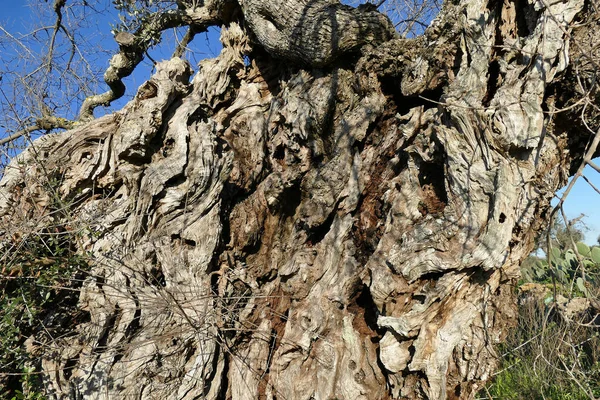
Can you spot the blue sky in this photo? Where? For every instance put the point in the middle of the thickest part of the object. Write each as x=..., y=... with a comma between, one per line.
x=16, y=17
x=583, y=199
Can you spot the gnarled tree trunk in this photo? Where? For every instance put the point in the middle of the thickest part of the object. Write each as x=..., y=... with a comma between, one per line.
x=347, y=225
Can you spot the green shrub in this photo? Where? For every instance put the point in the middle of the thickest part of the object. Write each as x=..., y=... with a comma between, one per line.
x=40, y=275
x=548, y=356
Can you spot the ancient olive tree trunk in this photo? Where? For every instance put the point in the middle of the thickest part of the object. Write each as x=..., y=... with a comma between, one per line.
x=276, y=231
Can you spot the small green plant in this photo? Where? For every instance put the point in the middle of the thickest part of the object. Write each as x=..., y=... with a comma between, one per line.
x=36, y=297
x=573, y=270
x=31, y=383
x=548, y=356
x=39, y=271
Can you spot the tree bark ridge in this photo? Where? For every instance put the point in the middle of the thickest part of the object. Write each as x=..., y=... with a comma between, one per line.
x=273, y=232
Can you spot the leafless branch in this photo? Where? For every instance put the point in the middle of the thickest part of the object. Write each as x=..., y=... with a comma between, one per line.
x=132, y=50
x=45, y=123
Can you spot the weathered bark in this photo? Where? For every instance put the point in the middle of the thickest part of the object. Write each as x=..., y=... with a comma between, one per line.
x=314, y=32
x=133, y=46
x=282, y=233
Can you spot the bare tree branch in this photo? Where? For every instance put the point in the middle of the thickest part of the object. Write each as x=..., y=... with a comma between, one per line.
x=132, y=48
x=58, y=5
x=182, y=45
x=46, y=123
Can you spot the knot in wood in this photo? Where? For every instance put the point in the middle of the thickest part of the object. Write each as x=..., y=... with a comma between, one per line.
x=147, y=91
x=125, y=39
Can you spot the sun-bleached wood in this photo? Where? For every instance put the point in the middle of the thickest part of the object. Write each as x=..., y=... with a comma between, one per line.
x=265, y=231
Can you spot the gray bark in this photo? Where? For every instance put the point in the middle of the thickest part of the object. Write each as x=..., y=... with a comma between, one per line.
x=285, y=233
x=314, y=32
